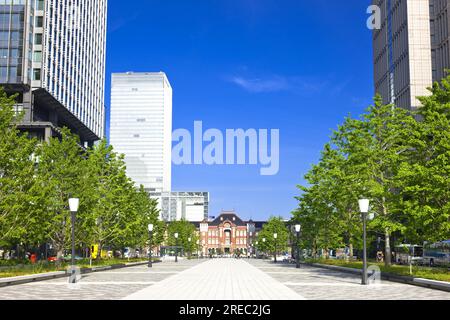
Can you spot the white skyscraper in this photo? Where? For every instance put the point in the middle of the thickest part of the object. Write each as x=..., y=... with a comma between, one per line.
x=141, y=127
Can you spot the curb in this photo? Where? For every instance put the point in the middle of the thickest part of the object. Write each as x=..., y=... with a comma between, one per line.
x=420, y=282
x=5, y=282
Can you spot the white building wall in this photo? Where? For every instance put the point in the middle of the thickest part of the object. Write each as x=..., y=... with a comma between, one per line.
x=174, y=206
x=419, y=48
x=141, y=127
x=403, y=51
x=73, y=54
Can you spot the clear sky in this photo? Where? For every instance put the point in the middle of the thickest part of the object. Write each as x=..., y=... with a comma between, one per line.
x=299, y=66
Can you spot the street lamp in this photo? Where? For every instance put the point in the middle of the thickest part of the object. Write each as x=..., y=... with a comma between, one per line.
x=189, y=248
x=275, y=236
x=298, y=227
x=264, y=246
x=198, y=249
x=150, y=231
x=176, y=246
x=73, y=206
x=364, y=209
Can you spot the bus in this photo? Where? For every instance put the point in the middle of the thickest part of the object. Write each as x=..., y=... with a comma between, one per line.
x=437, y=254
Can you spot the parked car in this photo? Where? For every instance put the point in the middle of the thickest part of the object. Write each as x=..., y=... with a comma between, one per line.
x=52, y=259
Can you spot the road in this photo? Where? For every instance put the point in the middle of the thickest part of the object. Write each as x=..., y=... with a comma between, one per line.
x=218, y=279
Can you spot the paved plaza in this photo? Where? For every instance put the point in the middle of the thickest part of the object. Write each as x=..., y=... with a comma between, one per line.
x=218, y=279
x=324, y=284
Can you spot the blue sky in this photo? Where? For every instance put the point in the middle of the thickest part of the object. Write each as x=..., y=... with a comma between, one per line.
x=299, y=66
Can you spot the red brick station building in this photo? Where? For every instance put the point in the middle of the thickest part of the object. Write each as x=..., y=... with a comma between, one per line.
x=226, y=233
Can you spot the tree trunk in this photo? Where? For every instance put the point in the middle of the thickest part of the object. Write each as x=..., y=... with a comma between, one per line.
x=387, y=254
x=387, y=234
x=99, y=252
x=314, y=250
x=350, y=246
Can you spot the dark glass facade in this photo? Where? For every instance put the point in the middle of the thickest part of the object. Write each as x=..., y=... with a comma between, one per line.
x=12, y=31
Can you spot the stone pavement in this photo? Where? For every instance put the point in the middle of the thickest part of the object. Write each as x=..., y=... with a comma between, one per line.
x=218, y=279
x=104, y=285
x=323, y=284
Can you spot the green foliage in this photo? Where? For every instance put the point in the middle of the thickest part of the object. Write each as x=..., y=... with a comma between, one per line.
x=59, y=177
x=17, y=188
x=37, y=179
x=186, y=231
x=399, y=160
x=275, y=225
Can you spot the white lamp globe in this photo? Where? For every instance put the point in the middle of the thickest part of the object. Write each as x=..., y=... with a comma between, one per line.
x=364, y=205
x=74, y=204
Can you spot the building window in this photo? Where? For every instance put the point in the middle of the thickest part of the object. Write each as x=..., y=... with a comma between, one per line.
x=37, y=74
x=40, y=4
x=38, y=38
x=37, y=56
x=39, y=22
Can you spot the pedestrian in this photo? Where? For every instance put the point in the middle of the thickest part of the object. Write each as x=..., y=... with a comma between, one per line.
x=380, y=256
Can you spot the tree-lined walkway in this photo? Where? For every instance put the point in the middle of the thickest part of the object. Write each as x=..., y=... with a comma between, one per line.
x=218, y=279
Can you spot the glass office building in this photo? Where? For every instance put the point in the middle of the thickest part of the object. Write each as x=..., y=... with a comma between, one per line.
x=52, y=54
x=13, y=49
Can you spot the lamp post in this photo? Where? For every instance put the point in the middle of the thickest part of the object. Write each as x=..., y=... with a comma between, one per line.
x=297, y=230
x=198, y=249
x=256, y=250
x=364, y=209
x=264, y=246
x=176, y=246
x=73, y=206
x=275, y=236
x=189, y=248
x=150, y=231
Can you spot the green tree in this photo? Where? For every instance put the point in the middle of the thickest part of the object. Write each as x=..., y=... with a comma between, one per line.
x=119, y=213
x=326, y=209
x=186, y=231
x=60, y=176
x=20, y=219
x=363, y=159
x=148, y=213
x=275, y=225
x=375, y=147
x=424, y=180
